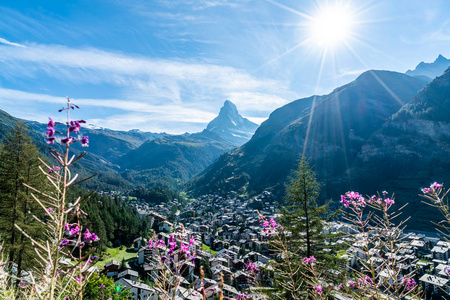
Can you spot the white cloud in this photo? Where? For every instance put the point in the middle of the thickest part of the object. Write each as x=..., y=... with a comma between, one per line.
x=163, y=78
x=6, y=42
x=254, y=101
x=135, y=114
x=257, y=120
x=181, y=92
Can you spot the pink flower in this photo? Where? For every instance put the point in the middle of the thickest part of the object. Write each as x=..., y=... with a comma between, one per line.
x=74, y=231
x=351, y=283
x=191, y=241
x=74, y=126
x=51, y=123
x=63, y=243
x=389, y=201
x=308, y=260
x=251, y=267
x=67, y=140
x=150, y=244
x=409, y=283
x=273, y=223
x=85, y=141
x=426, y=190
x=319, y=288
x=50, y=132
x=184, y=248
x=91, y=237
x=436, y=186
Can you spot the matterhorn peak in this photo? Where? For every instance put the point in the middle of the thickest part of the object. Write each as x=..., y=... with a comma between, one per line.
x=230, y=125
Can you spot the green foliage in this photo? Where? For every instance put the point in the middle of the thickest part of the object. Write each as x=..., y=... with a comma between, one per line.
x=18, y=166
x=112, y=220
x=103, y=288
x=303, y=217
x=156, y=195
x=303, y=221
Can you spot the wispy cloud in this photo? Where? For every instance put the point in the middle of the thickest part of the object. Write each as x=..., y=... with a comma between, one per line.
x=90, y=64
x=254, y=101
x=132, y=114
x=6, y=42
x=176, y=89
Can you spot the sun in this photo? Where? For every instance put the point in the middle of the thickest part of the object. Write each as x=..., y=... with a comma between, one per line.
x=332, y=25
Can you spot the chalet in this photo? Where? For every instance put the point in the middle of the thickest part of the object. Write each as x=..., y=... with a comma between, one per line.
x=112, y=268
x=434, y=284
x=128, y=274
x=137, y=289
x=165, y=226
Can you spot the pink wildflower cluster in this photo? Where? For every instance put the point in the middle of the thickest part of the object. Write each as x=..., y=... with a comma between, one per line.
x=91, y=237
x=353, y=198
x=71, y=229
x=319, y=289
x=309, y=260
x=357, y=200
x=365, y=281
x=152, y=244
x=269, y=227
x=251, y=267
x=172, y=246
x=73, y=126
x=434, y=188
x=243, y=296
x=409, y=283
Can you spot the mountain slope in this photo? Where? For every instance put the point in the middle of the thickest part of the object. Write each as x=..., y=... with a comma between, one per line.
x=172, y=160
x=108, y=143
x=329, y=130
x=230, y=125
x=108, y=177
x=412, y=149
x=432, y=70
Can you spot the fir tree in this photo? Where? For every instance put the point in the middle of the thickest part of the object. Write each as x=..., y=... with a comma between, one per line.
x=303, y=222
x=18, y=166
x=302, y=216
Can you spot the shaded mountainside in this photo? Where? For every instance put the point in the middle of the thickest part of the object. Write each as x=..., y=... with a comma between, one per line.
x=411, y=150
x=108, y=177
x=329, y=130
x=108, y=143
x=126, y=159
x=173, y=160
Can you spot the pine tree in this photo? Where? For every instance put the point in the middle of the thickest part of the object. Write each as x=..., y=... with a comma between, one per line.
x=303, y=222
x=18, y=166
x=302, y=216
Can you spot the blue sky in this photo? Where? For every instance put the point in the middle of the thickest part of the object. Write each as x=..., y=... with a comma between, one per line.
x=168, y=65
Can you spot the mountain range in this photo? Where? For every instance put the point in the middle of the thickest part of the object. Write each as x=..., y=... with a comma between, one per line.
x=125, y=159
x=429, y=71
x=383, y=131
